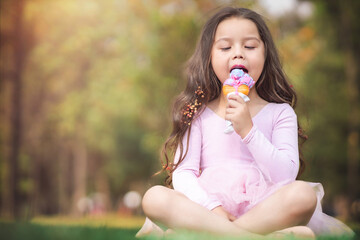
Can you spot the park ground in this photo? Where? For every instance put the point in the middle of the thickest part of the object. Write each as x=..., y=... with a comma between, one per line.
x=110, y=226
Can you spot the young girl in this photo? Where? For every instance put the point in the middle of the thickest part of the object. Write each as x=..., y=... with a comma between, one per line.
x=243, y=182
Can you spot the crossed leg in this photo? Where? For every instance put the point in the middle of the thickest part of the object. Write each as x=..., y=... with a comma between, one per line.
x=176, y=211
x=290, y=206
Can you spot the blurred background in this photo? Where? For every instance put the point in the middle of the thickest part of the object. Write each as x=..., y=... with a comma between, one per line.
x=86, y=90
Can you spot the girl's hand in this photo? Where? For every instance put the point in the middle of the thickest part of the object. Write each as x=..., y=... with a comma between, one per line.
x=238, y=113
x=223, y=213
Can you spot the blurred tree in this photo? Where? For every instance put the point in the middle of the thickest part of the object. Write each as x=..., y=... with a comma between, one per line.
x=96, y=92
x=16, y=35
x=326, y=50
x=321, y=55
x=345, y=20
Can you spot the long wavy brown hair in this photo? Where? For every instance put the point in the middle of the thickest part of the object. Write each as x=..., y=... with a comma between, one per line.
x=272, y=85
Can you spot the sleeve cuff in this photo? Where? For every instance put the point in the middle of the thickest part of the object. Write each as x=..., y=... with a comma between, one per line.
x=250, y=135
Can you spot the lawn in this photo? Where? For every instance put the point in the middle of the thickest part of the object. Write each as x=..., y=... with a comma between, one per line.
x=106, y=227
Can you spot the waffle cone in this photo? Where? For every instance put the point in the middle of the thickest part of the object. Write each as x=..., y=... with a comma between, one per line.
x=244, y=89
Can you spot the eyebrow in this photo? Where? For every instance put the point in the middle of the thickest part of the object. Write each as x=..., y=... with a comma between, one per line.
x=245, y=39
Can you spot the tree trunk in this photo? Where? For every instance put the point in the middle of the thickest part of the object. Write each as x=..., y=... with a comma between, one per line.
x=64, y=178
x=11, y=199
x=80, y=166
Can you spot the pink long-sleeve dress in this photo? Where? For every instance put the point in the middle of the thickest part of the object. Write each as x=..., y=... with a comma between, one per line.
x=224, y=169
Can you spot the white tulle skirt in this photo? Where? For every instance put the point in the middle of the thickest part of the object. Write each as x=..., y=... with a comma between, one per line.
x=323, y=224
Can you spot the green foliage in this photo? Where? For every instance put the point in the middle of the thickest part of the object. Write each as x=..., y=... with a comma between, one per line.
x=102, y=76
x=327, y=103
x=317, y=62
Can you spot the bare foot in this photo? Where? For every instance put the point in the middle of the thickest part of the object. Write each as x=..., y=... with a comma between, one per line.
x=149, y=228
x=297, y=231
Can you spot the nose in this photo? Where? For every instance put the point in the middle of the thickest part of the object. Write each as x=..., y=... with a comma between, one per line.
x=238, y=53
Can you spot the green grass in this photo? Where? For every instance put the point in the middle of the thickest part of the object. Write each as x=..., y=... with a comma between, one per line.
x=34, y=231
x=108, y=220
x=31, y=231
x=106, y=227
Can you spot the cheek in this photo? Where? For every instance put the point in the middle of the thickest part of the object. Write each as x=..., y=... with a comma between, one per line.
x=213, y=61
x=260, y=63
x=261, y=66
x=258, y=70
x=218, y=66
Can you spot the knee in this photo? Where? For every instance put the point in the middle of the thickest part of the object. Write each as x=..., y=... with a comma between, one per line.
x=302, y=200
x=154, y=201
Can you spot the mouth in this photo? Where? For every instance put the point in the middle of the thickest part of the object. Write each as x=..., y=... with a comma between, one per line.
x=242, y=67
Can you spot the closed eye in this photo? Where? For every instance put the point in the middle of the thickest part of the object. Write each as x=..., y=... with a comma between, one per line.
x=249, y=47
x=225, y=48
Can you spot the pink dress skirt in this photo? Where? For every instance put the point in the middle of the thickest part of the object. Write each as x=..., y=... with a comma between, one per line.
x=238, y=188
x=248, y=187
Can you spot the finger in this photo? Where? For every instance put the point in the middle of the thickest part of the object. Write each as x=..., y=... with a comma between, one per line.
x=236, y=98
x=234, y=103
x=230, y=117
x=233, y=96
x=227, y=105
x=230, y=111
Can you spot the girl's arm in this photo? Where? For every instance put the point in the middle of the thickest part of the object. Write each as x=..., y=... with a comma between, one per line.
x=185, y=176
x=278, y=159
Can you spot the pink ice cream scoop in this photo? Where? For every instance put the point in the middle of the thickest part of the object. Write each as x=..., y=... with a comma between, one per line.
x=239, y=82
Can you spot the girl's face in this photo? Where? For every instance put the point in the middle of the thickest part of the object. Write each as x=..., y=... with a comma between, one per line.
x=237, y=44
